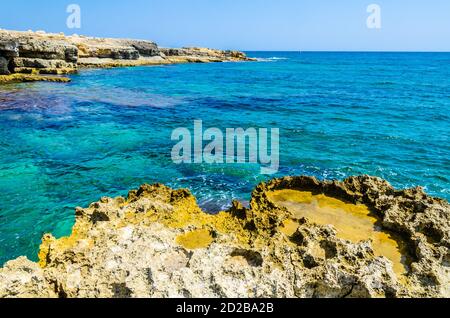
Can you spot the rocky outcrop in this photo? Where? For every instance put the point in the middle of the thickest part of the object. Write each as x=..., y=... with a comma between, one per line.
x=120, y=49
x=157, y=242
x=40, y=53
x=203, y=55
x=103, y=52
x=22, y=278
x=8, y=50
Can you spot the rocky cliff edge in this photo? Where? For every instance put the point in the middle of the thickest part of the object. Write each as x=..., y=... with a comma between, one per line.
x=157, y=242
x=46, y=54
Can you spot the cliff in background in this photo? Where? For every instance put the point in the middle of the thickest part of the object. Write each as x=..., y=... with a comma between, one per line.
x=159, y=243
x=40, y=53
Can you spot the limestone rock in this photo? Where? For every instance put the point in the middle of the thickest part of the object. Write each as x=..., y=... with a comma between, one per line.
x=9, y=48
x=28, y=48
x=50, y=50
x=22, y=278
x=22, y=62
x=145, y=48
x=47, y=53
x=204, y=55
x=20, y=78
x=159, y=243
x=4, y=66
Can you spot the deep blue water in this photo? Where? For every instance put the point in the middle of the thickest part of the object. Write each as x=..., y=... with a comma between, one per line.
x=339, y=114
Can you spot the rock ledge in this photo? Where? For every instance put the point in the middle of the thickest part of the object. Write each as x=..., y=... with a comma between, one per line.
x=40, y=53
x=159, y=243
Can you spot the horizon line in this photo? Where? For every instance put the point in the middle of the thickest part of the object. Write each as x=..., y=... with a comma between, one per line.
x=246, y=50
x=345, y=51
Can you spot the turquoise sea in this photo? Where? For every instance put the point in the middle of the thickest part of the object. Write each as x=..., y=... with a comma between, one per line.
x=339, y=114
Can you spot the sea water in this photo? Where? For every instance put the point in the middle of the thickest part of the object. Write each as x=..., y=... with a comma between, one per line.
x=109, y=131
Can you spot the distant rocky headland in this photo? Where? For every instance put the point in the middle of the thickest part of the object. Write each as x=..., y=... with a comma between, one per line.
x=361, y=238
x=37, y=56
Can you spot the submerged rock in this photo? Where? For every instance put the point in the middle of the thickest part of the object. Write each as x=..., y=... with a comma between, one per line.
x=21, y=78
x=159, y=243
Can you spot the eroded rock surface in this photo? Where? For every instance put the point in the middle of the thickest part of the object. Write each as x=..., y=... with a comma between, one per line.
x=37, y=53
x=159, y=243
x=22, y=278
x=202, y=55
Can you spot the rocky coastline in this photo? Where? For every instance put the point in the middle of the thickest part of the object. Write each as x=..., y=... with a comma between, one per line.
x=157, y=242
x=28, y=56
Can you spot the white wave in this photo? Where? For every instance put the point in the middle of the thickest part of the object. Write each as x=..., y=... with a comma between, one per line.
x=271, y=59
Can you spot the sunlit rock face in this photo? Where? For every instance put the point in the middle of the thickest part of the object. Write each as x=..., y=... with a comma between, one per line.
x=299, y=238
x=39, y=53
x=55, y=54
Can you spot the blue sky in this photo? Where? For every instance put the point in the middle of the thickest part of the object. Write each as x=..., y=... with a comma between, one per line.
x=407, y=25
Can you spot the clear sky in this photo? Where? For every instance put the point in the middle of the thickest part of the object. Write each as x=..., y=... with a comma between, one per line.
x=337, y=25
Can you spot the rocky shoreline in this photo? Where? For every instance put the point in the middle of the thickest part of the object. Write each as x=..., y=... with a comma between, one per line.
x=157, y=242
x=46, y=56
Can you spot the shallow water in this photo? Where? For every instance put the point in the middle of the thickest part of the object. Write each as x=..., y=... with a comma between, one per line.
x=339, y=114
x=353, y=222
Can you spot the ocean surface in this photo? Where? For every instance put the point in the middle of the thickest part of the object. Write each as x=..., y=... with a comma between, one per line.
x=109, y=131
